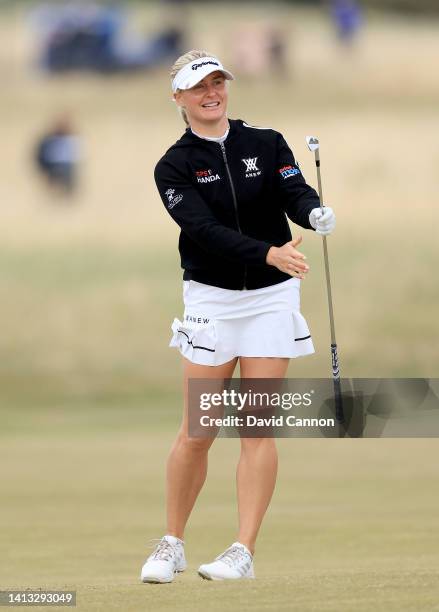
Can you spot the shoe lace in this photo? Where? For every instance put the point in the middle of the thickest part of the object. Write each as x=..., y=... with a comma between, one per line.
x=164, y=550
x=232, y=555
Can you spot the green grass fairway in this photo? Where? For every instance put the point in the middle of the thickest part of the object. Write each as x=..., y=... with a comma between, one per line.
x=353, y=524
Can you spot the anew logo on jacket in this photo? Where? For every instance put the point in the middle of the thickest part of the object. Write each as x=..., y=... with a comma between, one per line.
x=287, y=171
x=206, y=176
x=251, y=169
x=173, y=199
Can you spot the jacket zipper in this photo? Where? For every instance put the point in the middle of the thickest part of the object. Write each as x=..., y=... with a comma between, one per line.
x=235, y=201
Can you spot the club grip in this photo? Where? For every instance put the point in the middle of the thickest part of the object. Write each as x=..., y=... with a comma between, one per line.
x=339, y=415
x=335, y=364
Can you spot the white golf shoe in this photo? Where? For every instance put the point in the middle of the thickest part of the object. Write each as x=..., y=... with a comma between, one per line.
x=235, y=562
x=166, y=560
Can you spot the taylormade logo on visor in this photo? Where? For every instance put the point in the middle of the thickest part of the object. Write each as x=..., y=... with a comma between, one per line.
x=201, y=64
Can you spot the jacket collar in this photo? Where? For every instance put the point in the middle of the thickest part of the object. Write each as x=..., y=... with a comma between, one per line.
x=190, y=137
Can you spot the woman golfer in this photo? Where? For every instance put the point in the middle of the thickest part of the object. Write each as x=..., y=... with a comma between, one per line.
x=230, y=187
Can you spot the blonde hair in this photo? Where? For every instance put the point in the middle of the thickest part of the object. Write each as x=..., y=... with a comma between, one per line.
x=187, y=58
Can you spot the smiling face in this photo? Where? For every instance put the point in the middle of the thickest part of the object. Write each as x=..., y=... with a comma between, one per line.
x=206, y=102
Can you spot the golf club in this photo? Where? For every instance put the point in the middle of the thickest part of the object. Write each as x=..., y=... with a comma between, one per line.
x=314, y=145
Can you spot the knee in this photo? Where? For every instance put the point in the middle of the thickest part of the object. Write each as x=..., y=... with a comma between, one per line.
x=193, y=445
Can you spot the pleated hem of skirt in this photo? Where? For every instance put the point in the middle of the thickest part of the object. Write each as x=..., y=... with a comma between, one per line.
x=200, y=346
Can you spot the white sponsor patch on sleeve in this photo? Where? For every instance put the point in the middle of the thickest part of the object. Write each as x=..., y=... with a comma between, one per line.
x=173, y=199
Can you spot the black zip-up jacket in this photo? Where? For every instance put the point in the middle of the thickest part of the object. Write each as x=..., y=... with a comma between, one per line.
x=231, y=201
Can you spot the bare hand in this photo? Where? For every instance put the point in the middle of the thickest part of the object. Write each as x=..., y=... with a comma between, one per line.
x=288, y=259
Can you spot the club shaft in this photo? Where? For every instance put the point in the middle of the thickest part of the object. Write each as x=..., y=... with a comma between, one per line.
x=325, y=256
x=339, y=412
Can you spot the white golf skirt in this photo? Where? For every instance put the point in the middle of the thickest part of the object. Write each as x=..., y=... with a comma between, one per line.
x=220, y=324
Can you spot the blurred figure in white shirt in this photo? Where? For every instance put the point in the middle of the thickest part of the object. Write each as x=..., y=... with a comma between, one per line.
x=58, y=154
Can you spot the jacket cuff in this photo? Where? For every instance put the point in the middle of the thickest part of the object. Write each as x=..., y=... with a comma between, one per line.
x=264, y=251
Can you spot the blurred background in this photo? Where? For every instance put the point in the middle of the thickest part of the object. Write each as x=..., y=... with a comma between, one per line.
x=89, y=268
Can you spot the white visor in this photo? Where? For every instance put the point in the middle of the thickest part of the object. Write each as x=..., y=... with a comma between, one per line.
x=193, y=73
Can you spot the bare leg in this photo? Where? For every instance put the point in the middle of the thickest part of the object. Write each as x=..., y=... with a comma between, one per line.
x=257, y=468
x=187, y=462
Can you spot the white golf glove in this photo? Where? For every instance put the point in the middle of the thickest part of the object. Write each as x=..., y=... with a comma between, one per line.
x=322, y=222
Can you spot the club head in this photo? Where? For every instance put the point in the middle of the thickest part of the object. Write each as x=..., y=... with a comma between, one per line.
x=313, y=143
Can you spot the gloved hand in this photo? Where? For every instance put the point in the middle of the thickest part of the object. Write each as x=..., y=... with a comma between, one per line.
x=322, y=222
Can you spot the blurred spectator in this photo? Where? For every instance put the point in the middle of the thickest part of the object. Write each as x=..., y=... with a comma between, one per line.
x=57, y=156
x=261, y=49
x=86, y=36
x=347, y=19
x=277, y=49
x=162, y=48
